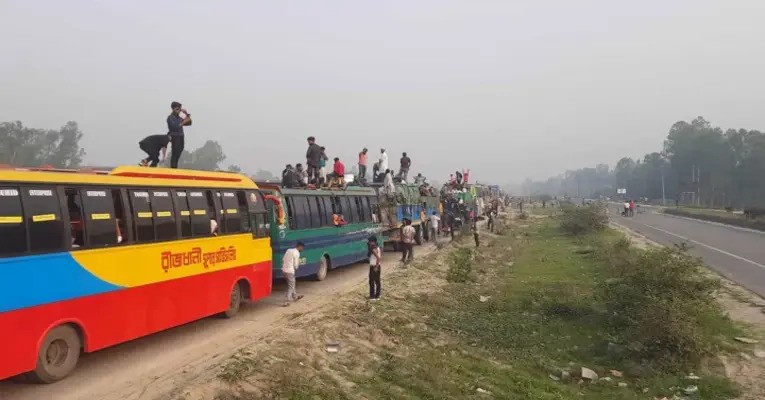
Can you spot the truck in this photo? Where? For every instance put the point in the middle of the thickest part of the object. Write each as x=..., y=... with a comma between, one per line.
x=407, y=201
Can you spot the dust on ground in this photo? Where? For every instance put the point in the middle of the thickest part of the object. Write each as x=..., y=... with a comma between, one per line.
x=748, y=367
x=335, y=341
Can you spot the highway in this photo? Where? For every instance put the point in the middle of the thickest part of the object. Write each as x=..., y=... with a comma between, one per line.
x=736, y=253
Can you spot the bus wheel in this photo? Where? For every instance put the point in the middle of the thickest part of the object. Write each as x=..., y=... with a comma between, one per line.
x=321, y=274
x=235, y=301
x=418, y=235
x=58, y=355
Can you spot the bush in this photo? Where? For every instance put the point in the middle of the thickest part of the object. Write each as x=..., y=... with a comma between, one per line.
x=749, y=220
x=523, y=216
x=662, y=308
x=582, y=220
x=460, y=266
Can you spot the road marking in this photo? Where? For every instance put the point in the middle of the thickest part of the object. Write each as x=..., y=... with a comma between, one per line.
x=706, y=245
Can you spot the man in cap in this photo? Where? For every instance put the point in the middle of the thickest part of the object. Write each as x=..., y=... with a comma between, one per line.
x=175, y=124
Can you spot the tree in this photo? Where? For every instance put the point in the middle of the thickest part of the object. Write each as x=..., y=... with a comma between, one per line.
x=234, y=168
x=263, y=175
x=207, y=157
x=29, y=147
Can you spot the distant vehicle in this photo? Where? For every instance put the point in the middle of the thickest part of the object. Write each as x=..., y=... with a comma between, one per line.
x=91, y=260
x=306, y=215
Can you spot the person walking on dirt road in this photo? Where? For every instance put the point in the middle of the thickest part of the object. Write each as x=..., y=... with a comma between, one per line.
x=375, y=257
x=290, y=264
x=475, y=233
x=407, y=239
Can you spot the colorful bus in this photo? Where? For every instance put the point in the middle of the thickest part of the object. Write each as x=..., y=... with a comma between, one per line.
x=90, y=260
x=306, y=215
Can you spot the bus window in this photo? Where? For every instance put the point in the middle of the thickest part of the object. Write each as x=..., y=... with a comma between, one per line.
x=100, y=221
x=360, y=209
x=366, y=214
x=184, y=213
x=164, y=216
x=12, y=228
x=119, y=214
x=76, y=225
x=291, y=212
x=301, y=212
x=258, y=213
x=352, y=214
x=200, y=215
x=143, y=218
x=231, y=210
x=43, y=217
x=243, y=210
x=217, y=219
x=327, y=209
x=315, y=208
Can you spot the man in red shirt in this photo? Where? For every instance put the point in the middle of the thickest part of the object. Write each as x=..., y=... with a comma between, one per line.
x=338, y=170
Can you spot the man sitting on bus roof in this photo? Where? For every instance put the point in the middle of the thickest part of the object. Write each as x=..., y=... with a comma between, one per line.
x=338, y=173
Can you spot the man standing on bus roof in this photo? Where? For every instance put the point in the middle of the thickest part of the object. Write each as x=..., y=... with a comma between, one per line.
x=175, y=124
x=403, y=171
x=290, y=264
x=383, y=160
x=153, y=145
x=312, y=157
x=363, y=165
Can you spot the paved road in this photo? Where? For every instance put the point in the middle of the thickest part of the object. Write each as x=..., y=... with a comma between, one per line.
x=737, y=254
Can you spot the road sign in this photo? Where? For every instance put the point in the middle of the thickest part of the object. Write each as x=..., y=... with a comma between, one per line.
x=621, y=191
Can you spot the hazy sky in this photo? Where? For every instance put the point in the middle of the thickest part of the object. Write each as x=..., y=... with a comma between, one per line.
x=510, y=89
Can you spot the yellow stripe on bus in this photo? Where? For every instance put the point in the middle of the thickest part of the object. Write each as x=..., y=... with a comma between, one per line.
x=164, y=213
x=11, y=220
x=98, y=217
x=231, y=211
x=185, y=213
x=145, y=215
x=43, y=217
x=200, y=212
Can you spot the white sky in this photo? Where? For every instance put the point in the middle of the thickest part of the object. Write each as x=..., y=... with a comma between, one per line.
x=509, y=89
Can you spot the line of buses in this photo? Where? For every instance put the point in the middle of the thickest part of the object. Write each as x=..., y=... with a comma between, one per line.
x=92, y=259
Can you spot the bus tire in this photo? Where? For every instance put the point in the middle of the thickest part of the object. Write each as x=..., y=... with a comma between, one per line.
x=321, y=273
x=235, y=301
x=418, y=235
x=58, y=355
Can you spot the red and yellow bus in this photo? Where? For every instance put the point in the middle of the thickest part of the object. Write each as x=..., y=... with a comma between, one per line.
x=92, y=259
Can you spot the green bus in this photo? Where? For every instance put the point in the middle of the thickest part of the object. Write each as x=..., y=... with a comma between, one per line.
x=306, y=215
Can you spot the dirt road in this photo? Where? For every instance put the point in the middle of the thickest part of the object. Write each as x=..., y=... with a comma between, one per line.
x=160, y=365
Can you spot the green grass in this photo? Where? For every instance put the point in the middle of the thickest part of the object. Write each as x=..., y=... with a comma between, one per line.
x=542, y=316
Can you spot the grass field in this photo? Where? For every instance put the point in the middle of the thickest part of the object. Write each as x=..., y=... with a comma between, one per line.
x=509, y=320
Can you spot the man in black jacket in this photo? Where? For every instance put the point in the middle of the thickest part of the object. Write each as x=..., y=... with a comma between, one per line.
x=153, y=145
x=312, y=156
x=175, y=124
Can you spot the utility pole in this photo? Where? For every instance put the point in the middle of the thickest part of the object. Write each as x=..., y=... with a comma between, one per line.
x=663, y=197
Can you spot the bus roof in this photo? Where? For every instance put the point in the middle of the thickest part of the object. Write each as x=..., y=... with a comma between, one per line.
x=348, y=191
x=129, y=176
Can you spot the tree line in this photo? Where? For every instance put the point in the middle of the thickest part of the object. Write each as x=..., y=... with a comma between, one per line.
x=22, y=146
x=699, y=164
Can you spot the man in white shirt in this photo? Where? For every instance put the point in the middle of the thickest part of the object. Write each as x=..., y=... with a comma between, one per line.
x=388, y=182
x=290, y=264
x=383, y=160
x=435, y=220
x=407, y=240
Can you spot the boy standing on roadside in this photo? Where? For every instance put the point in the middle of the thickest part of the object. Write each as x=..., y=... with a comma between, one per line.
x=407, y=238
x=375, y=257
x=290, y=264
